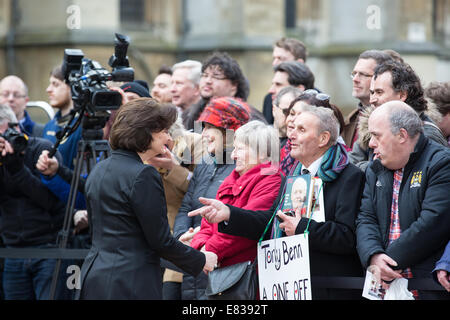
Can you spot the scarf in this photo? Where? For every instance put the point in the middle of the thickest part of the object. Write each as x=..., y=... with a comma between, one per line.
x=333, y=162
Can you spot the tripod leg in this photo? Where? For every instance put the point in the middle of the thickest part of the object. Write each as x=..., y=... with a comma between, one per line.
x=64, y=233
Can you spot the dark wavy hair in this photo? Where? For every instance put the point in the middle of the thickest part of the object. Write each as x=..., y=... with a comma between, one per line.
x=137, y=120
x=404, y=79
x=231, y=70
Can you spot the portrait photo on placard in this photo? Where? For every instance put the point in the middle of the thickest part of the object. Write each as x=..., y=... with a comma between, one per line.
x=298, y=195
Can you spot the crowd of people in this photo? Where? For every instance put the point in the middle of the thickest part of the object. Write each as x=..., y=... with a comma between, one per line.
x=196, y=175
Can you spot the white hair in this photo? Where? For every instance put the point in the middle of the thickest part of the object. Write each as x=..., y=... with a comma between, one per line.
x=262, y=140
x=6, y=114
x=194, y=67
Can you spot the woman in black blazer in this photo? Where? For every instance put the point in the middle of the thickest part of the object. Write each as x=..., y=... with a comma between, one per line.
x=127, y=210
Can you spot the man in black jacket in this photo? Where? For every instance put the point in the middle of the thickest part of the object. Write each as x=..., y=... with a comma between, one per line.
x=31, y=215
x=404, y=222
x=332, y=243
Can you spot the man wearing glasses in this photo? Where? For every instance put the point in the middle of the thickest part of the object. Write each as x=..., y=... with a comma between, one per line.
x=221, y=77
x=361, y=75
x=14, y=93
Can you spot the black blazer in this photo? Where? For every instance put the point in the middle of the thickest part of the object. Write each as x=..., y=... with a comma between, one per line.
x=332, y=244
x=130, y=232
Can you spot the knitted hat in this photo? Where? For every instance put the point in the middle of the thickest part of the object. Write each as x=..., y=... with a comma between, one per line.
x=140, y=87
x=226, y=112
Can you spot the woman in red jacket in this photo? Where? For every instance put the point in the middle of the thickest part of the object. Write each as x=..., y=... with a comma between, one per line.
x=252, y=185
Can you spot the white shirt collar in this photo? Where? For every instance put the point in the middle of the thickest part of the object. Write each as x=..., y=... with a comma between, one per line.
x=313, y=167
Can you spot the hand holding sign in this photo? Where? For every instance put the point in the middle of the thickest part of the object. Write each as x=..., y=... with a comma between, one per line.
x=214, y=211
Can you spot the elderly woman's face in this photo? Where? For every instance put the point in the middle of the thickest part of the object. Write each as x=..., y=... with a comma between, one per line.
x=241, y=155
x=214, y=138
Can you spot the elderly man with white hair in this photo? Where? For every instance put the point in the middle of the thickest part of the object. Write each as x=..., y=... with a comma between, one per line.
x=404, y=221
x=185, y=84
x=333, y=241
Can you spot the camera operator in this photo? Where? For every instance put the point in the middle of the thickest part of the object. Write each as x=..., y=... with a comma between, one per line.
x=31, y=215
x=60, y=98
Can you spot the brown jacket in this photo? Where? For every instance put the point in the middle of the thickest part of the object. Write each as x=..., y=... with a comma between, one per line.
x=351, y=123
x=176, y=181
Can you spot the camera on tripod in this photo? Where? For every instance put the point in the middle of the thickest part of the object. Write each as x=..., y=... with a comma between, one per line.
x=18, y=141
x=90, y=94
x=87, y=78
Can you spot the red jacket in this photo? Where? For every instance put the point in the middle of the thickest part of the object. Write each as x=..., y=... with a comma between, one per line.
x=252, y=191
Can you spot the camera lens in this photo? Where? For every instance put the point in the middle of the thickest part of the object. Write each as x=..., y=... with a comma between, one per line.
x=19, y=143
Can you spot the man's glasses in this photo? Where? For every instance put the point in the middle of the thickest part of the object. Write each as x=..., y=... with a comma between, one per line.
x=317, y=94
x=361, y=74
x=16, y=95
x=215, y=76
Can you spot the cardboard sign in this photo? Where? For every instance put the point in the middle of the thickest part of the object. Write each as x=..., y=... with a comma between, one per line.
x=283, y=269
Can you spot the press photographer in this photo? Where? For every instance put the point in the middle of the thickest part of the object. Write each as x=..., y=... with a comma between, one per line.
x=31, y=215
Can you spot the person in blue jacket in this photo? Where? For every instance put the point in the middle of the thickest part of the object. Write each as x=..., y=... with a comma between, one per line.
x=442, y=271
x=60, y=98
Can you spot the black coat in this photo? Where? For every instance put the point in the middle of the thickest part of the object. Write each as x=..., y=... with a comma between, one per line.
x=424, y=210
x=30, y=214
x=128, y=215
x=332, y=244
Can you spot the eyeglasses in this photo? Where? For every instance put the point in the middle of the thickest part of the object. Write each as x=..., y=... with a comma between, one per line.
x=215, y=76
x=361, y=74
x=15, y=95
x=316, y=94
